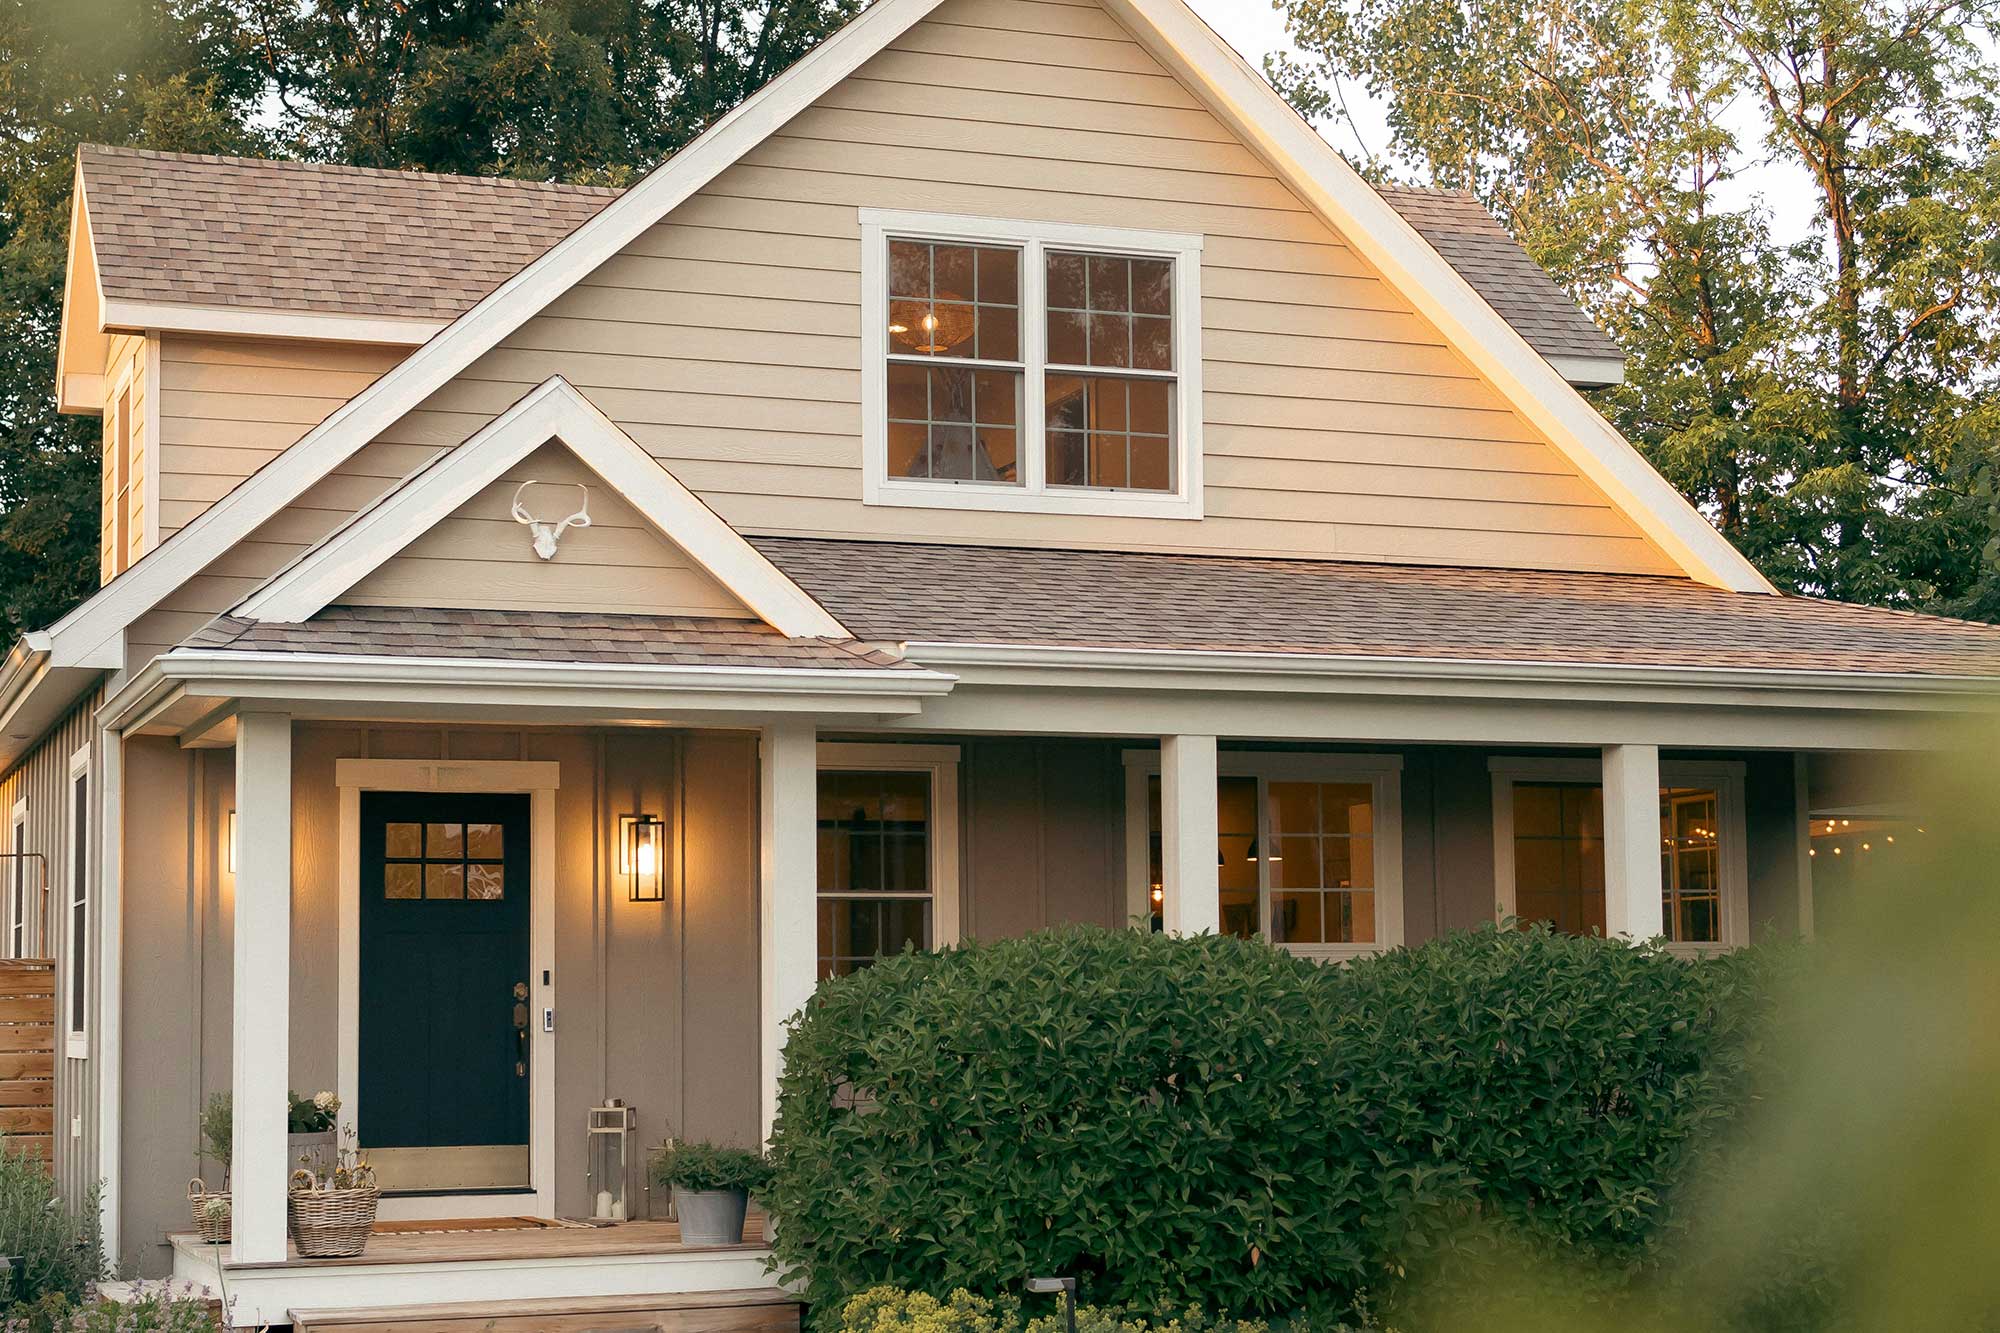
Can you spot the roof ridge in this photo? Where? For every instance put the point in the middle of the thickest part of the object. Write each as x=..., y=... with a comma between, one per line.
x=343, y=169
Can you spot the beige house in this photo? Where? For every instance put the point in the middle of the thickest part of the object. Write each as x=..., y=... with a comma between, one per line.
x=1010, y=471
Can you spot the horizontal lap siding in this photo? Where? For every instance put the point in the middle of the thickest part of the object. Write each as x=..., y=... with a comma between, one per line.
x=726, y=339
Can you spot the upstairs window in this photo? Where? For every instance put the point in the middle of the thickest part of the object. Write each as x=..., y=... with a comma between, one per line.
x=1030, y=366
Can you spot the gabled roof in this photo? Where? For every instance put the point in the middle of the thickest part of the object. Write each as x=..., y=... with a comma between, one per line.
x=554, y=410
x=1234, y=92
x=1472, y=240
x=329, y=240
x=922, y=593
x=178, y=229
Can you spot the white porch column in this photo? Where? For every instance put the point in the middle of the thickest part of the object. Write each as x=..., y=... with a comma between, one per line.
x=788, y=814
x=260, y=1046
x=1189, y=888
x=1632, y=842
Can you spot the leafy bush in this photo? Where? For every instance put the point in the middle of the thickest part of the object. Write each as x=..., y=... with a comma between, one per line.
x=151, y=1309
x=55, y=1251
x=1213, y=1122
x=889, y=1309
x=303, y=1115
x=709, y=1166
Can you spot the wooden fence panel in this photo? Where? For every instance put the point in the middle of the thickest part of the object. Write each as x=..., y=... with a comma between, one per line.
x=28, y=1056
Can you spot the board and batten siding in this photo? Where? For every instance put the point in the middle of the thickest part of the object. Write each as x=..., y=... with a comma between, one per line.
x=726, y=339
x=42, y=779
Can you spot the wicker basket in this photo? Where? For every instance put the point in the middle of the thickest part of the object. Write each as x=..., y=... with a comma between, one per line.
x=332, y=1224
x=211, y=1225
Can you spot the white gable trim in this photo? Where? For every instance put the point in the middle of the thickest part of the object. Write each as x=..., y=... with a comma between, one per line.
x=553, y=411
x=1251, y=108
x=1173, y=33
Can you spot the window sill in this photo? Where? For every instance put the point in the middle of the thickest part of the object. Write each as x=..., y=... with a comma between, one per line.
x=1015, y=500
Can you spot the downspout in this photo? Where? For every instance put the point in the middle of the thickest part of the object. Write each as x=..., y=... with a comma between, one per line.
x=110, y=988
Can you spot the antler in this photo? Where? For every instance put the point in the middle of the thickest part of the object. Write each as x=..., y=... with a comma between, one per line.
x=546, y=535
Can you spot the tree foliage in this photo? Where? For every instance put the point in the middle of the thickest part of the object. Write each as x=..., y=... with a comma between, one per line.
x=1827, y=398
x=578, y=90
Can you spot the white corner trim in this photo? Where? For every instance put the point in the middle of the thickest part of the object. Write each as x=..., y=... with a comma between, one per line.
x=76, y=947
x=1032, y=493
x=1311, y=166
x=255, y=322
x=553, y=411
x=478, y=330
x=1384, y=774
x=539, y=780
x=941, y=763
x=1725, y=776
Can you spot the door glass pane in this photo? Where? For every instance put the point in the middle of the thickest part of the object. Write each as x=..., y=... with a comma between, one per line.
x=485, y=882
x=444, y=841
x=403, y=840
x=402, y=881
x=485, y=842
x=444, y=880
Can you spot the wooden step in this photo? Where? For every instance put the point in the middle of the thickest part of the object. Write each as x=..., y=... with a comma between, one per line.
x=698, y=1312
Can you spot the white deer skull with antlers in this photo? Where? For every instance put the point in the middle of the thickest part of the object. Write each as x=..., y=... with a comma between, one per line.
x=546, y=534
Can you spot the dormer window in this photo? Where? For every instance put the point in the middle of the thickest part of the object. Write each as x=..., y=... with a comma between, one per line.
x=1030, y=366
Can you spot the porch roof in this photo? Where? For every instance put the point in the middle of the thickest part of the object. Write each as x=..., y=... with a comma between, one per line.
x=1129, y=600
x=542, y=636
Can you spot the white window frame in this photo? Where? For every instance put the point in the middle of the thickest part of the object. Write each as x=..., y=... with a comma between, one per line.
x=941, y=763
x=76, y=946
x=1724, y=777
x=1031, y=494
x=1383, y=772
x=17, y=884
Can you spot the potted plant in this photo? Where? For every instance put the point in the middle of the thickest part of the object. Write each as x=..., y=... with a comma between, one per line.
x=712, y=1185
x=211, y=1208
x=311, y=1138
x=310, y=1123
x=332, y=1212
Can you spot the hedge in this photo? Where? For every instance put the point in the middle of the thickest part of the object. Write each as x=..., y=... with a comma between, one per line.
x=1214, y=1122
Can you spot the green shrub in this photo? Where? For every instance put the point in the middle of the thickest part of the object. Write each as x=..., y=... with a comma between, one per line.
x=709, y=1166
x=1213, y=1122
x=888, y=1309
x=151, y=1309
x=56, y=1251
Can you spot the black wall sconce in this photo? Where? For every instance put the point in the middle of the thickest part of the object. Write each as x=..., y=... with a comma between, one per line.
x=644, y=853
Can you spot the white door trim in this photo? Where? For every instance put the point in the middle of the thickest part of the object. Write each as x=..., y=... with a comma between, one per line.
x=539, y=780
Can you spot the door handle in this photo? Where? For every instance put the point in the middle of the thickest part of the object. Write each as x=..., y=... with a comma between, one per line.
x=520, y=1029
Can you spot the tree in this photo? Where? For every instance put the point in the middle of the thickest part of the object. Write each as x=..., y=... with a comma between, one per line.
x=1828, y=400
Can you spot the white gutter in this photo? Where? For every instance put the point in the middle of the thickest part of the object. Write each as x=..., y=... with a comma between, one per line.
x=1361, y=668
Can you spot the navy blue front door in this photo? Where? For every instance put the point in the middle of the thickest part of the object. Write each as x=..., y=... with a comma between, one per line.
x=444, y=970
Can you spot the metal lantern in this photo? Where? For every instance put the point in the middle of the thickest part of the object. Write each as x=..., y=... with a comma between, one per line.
x=646, y=858
x=610, y=1158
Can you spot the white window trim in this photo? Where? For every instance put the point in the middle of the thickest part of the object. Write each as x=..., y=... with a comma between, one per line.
x=77, y=949
x=1724, y=776
x=941, y=762
x=1030, y=495
x=1384, y=772
x=18, y=887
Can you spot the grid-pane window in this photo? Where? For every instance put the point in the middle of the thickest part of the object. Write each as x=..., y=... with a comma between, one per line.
x=1236, y=860
x=1559, y=855
x=1110, y=313
x=79, y=897
x=955, y=362
x=875, y=890
x=1322, y=849
x=444, y=861
x=1691, y=865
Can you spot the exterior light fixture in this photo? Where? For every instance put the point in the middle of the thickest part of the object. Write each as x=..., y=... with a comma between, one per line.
x=1047, y=1286
x=610, y=1160
x=644, y=848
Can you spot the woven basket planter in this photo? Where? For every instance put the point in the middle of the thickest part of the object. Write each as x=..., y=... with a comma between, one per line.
x=211, y=1224
x=333, y=1224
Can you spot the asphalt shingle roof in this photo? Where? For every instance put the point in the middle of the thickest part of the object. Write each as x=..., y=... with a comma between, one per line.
x=238, y=231
x=898, y=591
x=542, y=636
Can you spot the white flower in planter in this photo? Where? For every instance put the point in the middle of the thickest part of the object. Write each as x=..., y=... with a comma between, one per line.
x=326, y=1101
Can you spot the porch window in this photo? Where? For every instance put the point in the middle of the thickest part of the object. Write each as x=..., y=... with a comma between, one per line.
x=1549, y=848
x=77, y=943
x=18, y=883
x=1030, y=366
x=1308, y=849
x=887, y=852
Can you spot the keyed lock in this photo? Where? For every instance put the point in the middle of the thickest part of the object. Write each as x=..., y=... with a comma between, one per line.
x=520, y=1029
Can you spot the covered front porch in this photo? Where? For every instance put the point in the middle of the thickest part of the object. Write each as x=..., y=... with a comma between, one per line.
x=806, y=823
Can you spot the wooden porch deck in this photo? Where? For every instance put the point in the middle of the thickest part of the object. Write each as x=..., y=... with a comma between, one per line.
x=480, y=1240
